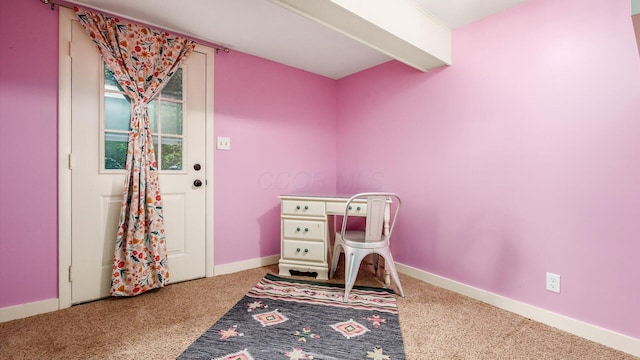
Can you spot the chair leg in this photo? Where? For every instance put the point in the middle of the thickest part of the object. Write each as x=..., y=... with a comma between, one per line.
x=352, y=260
x=391, y=266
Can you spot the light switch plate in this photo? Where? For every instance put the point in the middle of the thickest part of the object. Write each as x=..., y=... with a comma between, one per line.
x=224, y=143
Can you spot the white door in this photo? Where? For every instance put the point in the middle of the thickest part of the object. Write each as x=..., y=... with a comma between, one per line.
x=99, y=135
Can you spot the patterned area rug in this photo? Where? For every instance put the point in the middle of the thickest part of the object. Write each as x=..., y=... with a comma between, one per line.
x=283, y=318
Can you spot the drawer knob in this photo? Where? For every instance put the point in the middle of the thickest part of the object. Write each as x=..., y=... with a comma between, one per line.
x=298, y=207
x=306, y=207
x=358, y=208
x=306, y=250
x=306, y=229
x=297, y=229
x=350, y=207
x=298, y=250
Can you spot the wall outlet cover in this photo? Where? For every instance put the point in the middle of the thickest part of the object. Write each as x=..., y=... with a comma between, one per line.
x=553, y=282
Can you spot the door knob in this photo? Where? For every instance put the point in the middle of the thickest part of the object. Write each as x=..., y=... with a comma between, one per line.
x=197, y=183
x=197, y=167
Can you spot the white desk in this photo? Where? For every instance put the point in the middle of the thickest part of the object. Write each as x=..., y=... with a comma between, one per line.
x=307, y=231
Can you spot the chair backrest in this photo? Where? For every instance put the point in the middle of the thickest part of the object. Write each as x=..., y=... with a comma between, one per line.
x=376, y=207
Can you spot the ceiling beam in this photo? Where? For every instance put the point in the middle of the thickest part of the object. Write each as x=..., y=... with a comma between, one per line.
x=397, y=28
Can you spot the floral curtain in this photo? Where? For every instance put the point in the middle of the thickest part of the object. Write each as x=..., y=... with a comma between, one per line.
x=142, y=61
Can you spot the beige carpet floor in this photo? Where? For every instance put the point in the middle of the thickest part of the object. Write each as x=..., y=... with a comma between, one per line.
x=435, y=323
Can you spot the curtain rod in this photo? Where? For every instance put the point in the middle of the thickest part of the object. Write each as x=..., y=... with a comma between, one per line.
x=218, y=47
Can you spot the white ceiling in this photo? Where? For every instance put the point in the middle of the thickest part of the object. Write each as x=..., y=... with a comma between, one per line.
x=267, y=30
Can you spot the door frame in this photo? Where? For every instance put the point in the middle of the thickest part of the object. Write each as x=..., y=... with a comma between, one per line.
x=65, y=161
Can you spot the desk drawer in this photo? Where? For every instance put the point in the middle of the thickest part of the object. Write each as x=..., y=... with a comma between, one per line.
x=300, y=229
x=303, y=250
x=302, y=207
x=357, y=209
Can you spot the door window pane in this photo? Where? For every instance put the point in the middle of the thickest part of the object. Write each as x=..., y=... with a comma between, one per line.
x=173, y=89
x=152, y=110
x=171, y=118
x=110, y=82
x=171, y=150
x=115, y=150
x=117, y=111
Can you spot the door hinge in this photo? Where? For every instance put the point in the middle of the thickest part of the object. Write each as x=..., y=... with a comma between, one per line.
x=70, y=274
x=70, y=161
x=70, y=49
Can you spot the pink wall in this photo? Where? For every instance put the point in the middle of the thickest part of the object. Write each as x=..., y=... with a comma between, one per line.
x=521, y=158
x=282, y=127
x=28, y=160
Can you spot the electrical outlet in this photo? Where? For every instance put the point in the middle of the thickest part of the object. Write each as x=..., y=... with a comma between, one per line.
x=553, y=282
x=224, y=143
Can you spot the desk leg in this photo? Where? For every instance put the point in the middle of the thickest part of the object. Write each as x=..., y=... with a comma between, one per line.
x=330, y=240
x=375, y=258
x=387, y=216
x=387, y=278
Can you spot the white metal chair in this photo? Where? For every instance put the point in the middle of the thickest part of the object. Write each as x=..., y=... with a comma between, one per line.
x=374, y=239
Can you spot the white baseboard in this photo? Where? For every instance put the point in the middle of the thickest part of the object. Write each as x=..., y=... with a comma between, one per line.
x=588, y=331
x=245, y=265
x=39, y=307
x=25, y=310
